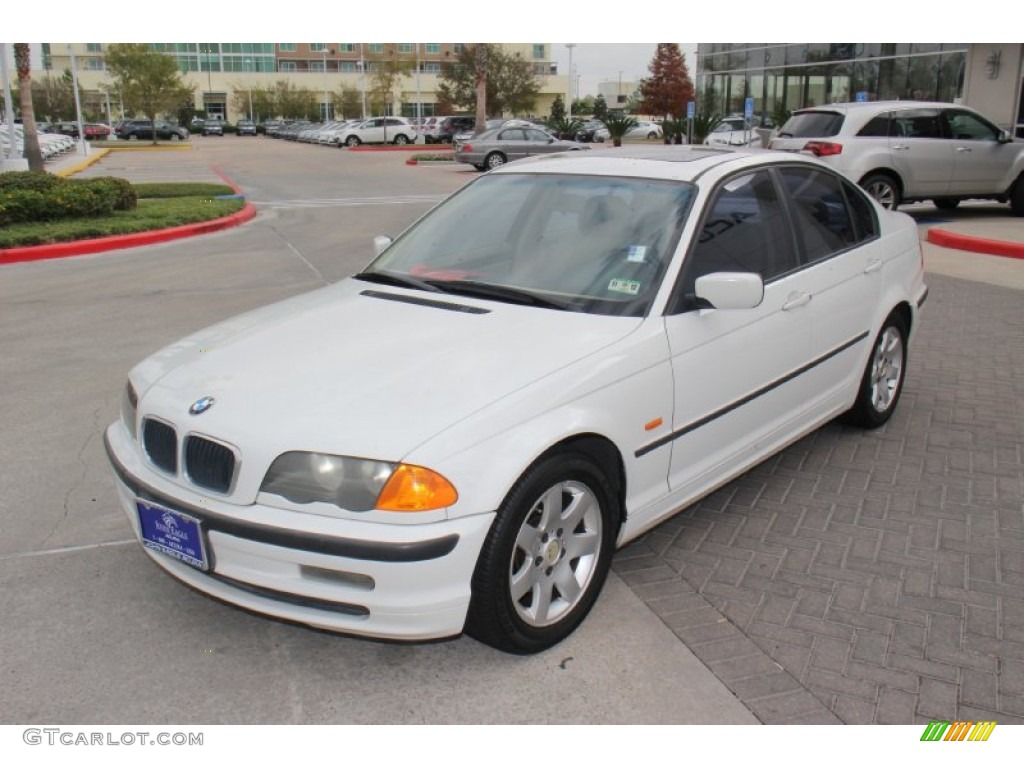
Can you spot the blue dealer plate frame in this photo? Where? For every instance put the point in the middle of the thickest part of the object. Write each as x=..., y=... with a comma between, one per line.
x=172, y=533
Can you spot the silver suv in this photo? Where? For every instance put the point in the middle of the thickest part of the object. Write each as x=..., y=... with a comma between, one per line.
x=901, y=151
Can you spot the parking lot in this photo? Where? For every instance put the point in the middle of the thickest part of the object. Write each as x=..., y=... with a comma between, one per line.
x=853, y=578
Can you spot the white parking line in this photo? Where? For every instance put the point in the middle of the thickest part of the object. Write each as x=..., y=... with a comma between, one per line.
x=64, y=550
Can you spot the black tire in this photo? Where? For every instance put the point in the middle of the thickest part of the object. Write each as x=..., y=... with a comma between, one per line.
x=541, y=569
x=494, y=160
x=480, y=167
x=352, y=141
x=884, y=188
x=946, y=203
x=401, y=139
x=881, y=385
x=652, y=135
x=1017, y=198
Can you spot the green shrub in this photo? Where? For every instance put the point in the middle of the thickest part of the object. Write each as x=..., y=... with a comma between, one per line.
x=38, y=181
x=121, y=192
x=151, y=190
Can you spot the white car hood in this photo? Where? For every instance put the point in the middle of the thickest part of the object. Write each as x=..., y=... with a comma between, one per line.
x=343, y=370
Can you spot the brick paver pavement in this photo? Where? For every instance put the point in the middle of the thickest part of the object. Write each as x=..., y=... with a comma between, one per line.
x=871, y=577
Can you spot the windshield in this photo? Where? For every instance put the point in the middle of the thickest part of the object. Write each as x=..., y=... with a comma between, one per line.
x=584, y=243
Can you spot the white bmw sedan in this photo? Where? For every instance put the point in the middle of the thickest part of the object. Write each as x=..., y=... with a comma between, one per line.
x=552, y=361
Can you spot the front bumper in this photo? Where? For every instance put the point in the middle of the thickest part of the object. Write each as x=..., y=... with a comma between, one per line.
x=405, y=582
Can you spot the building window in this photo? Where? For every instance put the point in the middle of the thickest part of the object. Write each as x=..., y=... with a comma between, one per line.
x=432, y=66
x=376, y=47
x=458, y=48
x=538, y=51
x=287, y=47
x=346, y=47
x=406, y=48
x=94, y=47
x=287, y=66
x=317, y=66
x=317, y=47
x=433, y=48
x=95, y=65
x=347, y=66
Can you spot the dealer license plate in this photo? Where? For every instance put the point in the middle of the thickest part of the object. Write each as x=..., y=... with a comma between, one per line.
x=172, y=533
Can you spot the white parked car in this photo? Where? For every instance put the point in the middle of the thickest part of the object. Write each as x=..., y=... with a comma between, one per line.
x=734, y=132
x=901, y=151
x=378, y=130
x=552, y=361
x=645, y=129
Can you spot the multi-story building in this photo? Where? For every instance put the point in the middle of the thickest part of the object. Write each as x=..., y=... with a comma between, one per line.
x=780, y=77
x=225, y=75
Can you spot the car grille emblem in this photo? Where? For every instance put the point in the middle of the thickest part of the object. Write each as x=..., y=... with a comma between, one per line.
x=202, y=405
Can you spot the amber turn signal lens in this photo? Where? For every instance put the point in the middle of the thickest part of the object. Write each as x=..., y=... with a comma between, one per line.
x=416, y=489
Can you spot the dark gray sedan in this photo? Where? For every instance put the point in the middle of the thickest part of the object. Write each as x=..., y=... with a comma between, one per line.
x=498, y=146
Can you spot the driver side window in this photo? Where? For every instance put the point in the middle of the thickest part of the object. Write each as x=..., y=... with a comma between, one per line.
x=744, y=231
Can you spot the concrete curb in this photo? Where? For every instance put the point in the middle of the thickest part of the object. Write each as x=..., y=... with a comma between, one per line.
x=960, y=242
x=116, y=242
x=98, y=154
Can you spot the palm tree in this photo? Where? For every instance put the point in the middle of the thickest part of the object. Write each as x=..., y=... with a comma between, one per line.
x=23, y=63
x=618, y=126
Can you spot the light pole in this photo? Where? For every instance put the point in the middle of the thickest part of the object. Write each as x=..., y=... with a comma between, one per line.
x=327, y=103
x=249, y=62
x=570, y=46
x=83, y=148
x=420, y=138
x=362, y=79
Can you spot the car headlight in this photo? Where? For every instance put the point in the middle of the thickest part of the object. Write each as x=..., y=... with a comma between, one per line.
x=357, y=485
x=129, y=408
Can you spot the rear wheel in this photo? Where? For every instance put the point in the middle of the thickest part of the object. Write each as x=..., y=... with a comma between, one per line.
x=494, y=160
x=883, y=188
x=546, y=557
x=1017, y=198
x=175, y=137
x=882, y=382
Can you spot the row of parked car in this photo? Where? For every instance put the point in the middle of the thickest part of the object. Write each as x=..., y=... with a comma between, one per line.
x=899, y=151
x=50, y=144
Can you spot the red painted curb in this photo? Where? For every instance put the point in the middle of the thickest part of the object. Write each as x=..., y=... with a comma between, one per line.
x=115, y=242
x=975, y=244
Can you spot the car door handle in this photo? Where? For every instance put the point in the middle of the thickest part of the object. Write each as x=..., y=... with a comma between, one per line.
x=873, y=266
x=902, y=147
x=795, y=300
x=963, y=149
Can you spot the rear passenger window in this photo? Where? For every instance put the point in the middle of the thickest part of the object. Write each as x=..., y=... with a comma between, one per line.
x=745, y=231
x=877, y=126
x=822, y=218
x=917, y=124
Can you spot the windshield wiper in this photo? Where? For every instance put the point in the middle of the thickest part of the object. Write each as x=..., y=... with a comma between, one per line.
x=402, y=281
x=499, y=293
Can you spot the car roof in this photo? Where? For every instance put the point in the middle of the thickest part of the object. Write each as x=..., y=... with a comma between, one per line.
x=676, y=163
x=876, y=106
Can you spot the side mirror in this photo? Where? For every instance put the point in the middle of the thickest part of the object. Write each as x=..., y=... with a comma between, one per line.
x=730, y=290
x=1005, y=137
x=380, y=244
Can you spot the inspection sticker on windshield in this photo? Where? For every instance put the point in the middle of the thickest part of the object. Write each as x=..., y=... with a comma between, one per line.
x=636, y=254
x=632, y=287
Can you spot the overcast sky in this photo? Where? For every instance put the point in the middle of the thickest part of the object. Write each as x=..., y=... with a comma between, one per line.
x=597, y=62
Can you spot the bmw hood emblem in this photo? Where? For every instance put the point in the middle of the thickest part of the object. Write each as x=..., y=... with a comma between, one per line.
x=202, y=405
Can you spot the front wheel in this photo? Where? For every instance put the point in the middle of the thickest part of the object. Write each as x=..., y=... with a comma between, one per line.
x=494, y=160
x=175, y=137
x=882, y=382
x=352, y=141
x=883, y=188
x=401, y=139
x=546, y=557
